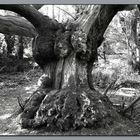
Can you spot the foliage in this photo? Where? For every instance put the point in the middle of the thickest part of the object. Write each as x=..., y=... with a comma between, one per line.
x=115, y=67
x=129, y=22
x=10, y=63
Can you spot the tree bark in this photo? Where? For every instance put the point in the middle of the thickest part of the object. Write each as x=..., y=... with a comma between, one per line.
x=94, y=26
x=67, y=98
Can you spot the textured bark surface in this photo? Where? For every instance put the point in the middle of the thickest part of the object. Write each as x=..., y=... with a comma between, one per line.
x=66, y=109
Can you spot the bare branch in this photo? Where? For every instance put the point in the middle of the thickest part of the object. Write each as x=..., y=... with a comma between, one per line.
x=27, y=11
x=131, y=105
x=16, y=25
x=21, y=102
x=39, y=21
x=109, y=86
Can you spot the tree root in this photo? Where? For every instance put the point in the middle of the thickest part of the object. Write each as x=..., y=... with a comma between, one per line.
x=66, y=109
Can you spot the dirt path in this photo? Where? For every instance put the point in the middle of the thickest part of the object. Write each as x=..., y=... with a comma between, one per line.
x=12, y=86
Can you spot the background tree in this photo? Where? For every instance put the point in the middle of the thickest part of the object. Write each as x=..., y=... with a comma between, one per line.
x=129, y=22
x=12, y=50
x=10, y=40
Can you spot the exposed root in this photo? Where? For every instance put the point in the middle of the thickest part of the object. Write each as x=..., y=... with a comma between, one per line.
x=66, y=109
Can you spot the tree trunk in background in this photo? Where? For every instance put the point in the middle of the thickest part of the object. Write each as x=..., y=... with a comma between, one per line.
x=135, y=49
x=10, y=41
x=19, y=54
x=137, y=34
x=66, y=97
x=129, y=27
x=20, y=48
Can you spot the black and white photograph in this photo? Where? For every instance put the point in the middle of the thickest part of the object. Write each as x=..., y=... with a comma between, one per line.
x=69, y=70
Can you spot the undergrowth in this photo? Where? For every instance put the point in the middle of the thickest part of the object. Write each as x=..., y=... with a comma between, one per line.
x=115, y=67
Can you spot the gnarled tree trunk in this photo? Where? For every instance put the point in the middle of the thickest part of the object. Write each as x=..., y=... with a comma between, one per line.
x=66, y=97
x=70, y=100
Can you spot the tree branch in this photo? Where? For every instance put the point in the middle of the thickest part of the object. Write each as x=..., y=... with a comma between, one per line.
x=37, y=6
x=16, y=25
x=27, y=11
x=40, y=22
x=109, y=87
x=98, y=17
x=131, y=105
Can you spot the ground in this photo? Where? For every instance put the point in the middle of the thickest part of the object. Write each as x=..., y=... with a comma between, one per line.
x=23, y=84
